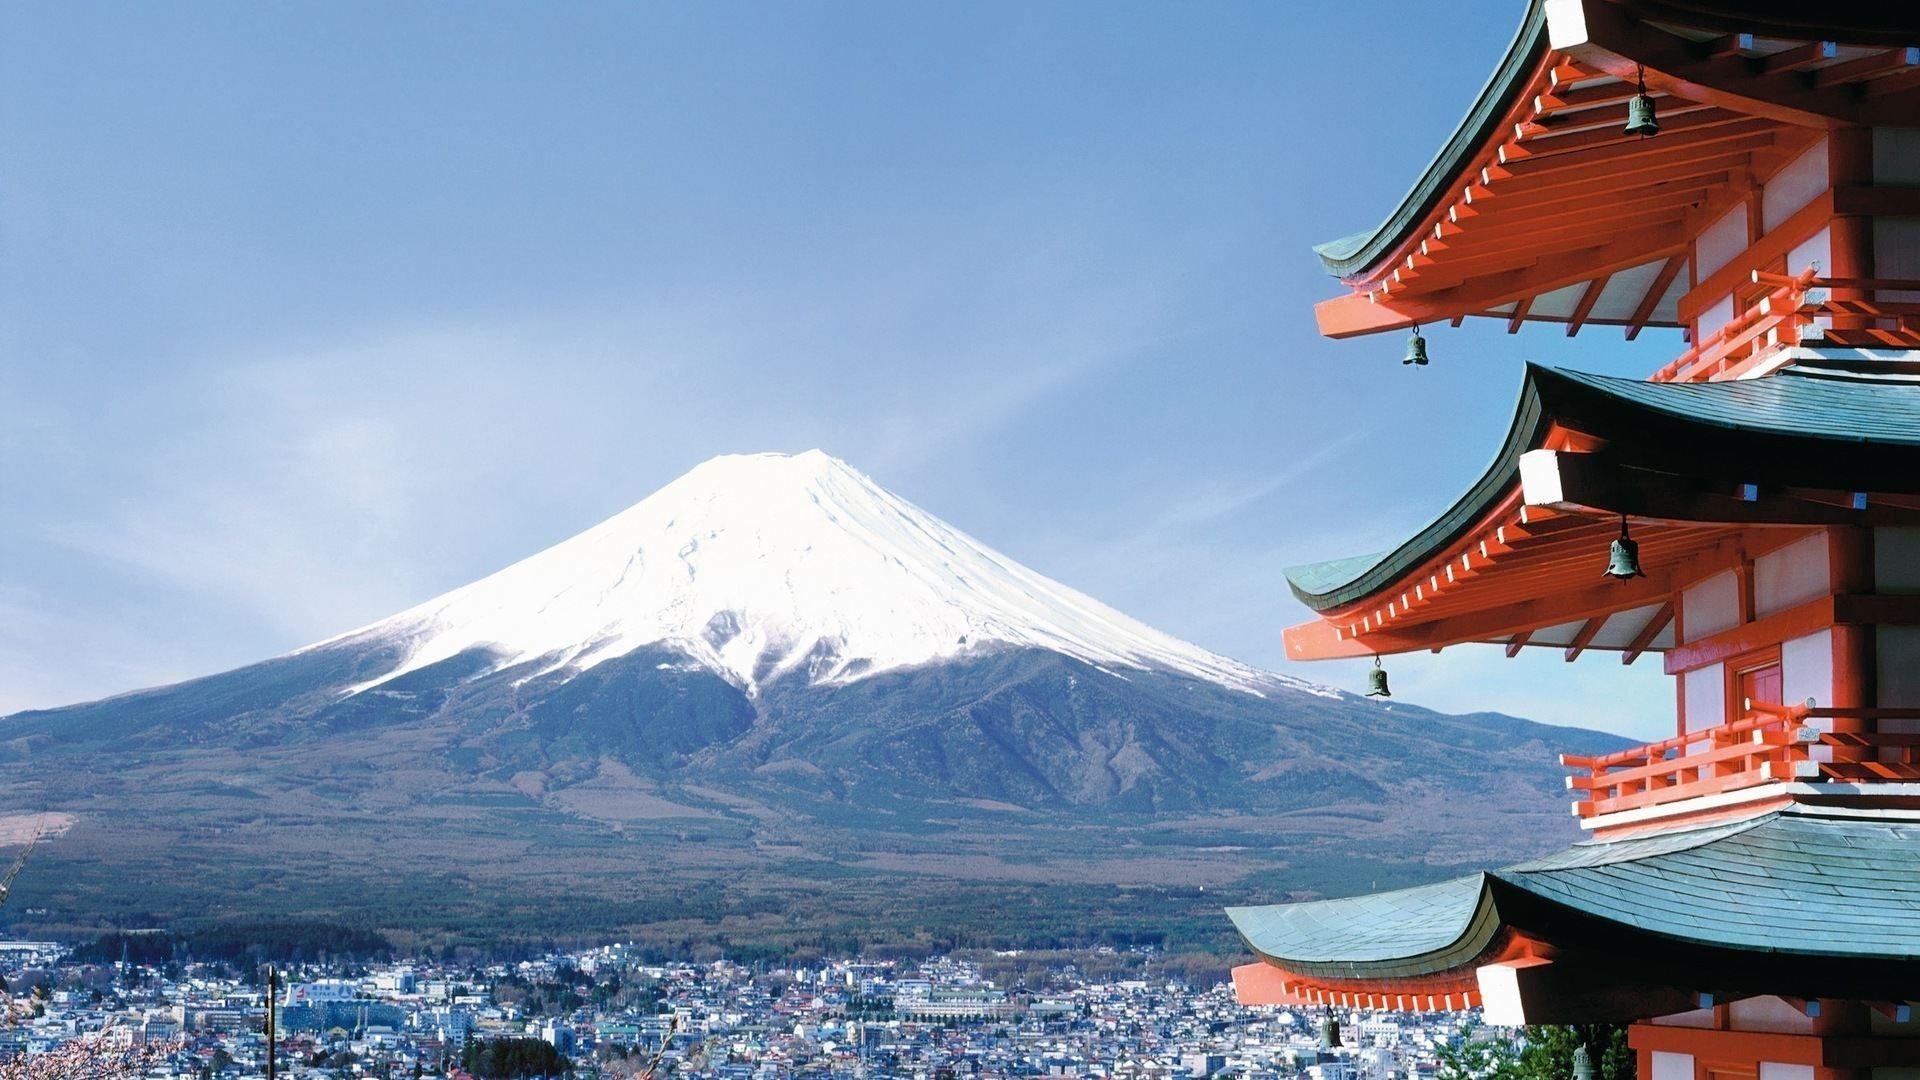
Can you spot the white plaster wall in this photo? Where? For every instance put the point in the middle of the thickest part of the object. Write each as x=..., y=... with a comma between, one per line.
x=1896, y=155
x=1815, y=250
x=1791, y=575
x=1898, y=678
x=1774, y=1070
x=1706, y=690
x=1720, y=242
x=1806, y=671
x=1896, y=254
x=1671, y=1066
x=1806, y=668
x=1896, y=561
x=1711, y=606
x=1712, y=318
x=1794, y=186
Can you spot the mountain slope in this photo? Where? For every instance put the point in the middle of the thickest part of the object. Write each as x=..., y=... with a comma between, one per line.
x=776, y=675
x=760, y=566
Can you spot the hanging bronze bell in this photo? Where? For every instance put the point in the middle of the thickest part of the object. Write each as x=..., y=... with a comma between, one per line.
x=1330, y=1033
x=1582, y=1064
x=1640, y=118
x=1416, y=349
x=1377, y=681
x=1623, y=559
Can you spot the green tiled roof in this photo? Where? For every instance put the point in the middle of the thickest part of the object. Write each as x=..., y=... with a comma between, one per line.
x=1415, y=931
x=1808, y=427
x=1783, y=884
x=1759, y=888
x=1349, y=256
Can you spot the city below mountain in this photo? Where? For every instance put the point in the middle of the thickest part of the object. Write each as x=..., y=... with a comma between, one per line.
x=771, y=703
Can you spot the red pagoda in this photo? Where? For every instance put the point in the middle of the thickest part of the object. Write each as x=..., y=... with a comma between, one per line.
x=1747, y=896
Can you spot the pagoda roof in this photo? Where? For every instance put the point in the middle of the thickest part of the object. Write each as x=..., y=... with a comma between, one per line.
x=1690, y=463
x=1539, y=207
x=1785, y=903
x=1350, y=255
x=1804, y=425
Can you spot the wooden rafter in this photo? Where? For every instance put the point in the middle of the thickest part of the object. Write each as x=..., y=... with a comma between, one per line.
x=1549, y=142
x=1584, y=638
x=1662, y=281
x=1868, y=67
x=1519, y=314
x=1799, y=58
x=1646, y=635
x=1518, y=642
x=1611, y=39
x=1746, y=132
x=1587, y=299
x=1361, y=313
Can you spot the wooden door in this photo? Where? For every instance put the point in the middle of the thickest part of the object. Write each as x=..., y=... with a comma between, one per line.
x=1756, y=685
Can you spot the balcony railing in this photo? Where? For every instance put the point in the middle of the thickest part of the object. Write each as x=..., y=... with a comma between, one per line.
x=1801, y=310
x=1774, y=744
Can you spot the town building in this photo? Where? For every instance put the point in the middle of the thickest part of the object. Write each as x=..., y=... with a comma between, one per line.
x=1748, y=516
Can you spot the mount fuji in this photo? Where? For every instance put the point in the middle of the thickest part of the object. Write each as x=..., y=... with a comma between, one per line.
x=761, y=567
x=768, y=699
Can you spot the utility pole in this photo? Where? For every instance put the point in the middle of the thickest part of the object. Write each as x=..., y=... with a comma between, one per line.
x=273, y=986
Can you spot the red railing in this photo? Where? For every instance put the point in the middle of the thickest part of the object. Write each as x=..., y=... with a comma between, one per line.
x=1775, y=744
x=1786, y=312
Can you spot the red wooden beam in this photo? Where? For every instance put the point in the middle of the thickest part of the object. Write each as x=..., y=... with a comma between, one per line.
x=1668, y=145
x=1868, y=67
x=1361, y=313
x=1587, y=299
x=1549, y=142
x=1798, y=58
x=1520, y=307
x=1610, y=38
x=1585, y=637
x=1573, y=206
x=1518, y=642
x=1642, y=640
x=1760, y=255
x=1662, y=281
x=1628, y=174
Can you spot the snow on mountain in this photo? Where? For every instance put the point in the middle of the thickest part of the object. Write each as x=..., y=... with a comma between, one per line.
x=760, y=566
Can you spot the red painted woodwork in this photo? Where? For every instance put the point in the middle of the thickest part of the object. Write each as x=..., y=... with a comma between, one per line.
x=1770, y=744
x=1754, y=686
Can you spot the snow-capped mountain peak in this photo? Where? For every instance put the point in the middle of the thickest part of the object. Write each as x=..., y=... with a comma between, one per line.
x=769, y=565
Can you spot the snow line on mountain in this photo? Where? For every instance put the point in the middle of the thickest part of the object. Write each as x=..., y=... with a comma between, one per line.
x=765, y=565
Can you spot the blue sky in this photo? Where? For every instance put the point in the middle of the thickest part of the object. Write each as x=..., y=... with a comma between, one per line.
x=311, y=311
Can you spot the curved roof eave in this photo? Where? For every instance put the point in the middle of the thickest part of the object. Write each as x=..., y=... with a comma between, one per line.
x=1858, y=879
x=1804, y=428
x=1350, y=255
x=1405, y=933
x=1325, y=586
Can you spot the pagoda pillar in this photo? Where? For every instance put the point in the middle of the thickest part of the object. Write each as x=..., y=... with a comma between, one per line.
x=1850, y=164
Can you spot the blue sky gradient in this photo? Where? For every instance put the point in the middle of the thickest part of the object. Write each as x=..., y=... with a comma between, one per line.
x=311, y=311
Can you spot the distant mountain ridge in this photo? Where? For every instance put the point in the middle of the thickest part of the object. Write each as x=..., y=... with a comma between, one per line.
x=772, y=673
